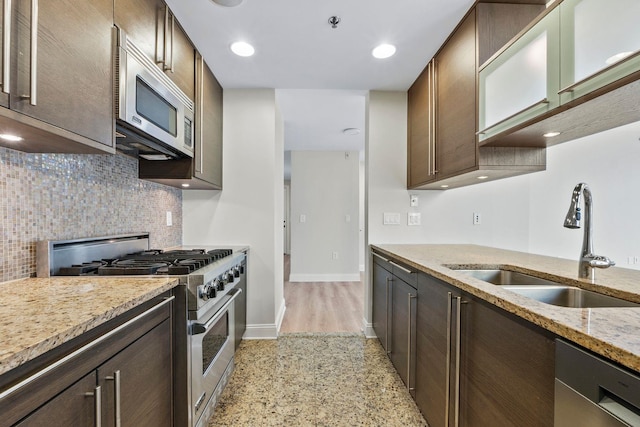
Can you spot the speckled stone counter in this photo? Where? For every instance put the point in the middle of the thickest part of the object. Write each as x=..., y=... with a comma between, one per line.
x=611, y=332
x=37, y=315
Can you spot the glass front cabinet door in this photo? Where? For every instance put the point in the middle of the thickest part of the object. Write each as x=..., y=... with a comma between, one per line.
x=522, y=82
x=600, y=43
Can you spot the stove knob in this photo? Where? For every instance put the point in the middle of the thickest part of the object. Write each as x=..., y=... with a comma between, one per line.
x=212, y=288
x=203, y=293
x=236, y=271
x=242, y=269
x=230, y=276
x=220, y=283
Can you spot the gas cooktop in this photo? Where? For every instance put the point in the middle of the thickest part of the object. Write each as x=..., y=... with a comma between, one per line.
x=153, y=261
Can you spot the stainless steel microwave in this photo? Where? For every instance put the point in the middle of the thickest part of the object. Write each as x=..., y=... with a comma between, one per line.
x=154, y=118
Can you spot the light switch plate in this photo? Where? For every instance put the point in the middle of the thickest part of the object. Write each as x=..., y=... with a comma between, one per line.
x=391, y=218
x=413, y=218
x=169, y=219
x=413, y=200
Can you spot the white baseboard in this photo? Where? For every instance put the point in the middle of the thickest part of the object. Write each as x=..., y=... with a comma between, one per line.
x=367, y=328
x=324, y=277
x=264, y=331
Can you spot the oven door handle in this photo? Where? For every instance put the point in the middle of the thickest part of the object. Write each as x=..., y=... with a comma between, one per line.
x=205, y=327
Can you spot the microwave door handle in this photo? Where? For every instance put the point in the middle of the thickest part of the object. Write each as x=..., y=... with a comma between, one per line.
x=6, y=47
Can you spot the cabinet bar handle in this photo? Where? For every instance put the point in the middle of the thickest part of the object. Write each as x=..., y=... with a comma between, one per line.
x=458, y=343
x=572, y=86
x=33, y=66
x=83, y=349
x=6, y=47
x=200, y=107
x=117, y=405
x=97, y=405
x=173, y=24
x=430, y=106
x=435, y=117
x=448, y=367
x=386, y=335
x=406, y=270
x=532, y=106
x=379, y=256
x=410, y=297
x=165, y=26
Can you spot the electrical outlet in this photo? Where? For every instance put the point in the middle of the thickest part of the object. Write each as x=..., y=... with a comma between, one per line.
x=169, y=219
x=303, y=218
x=334, y=255
x=636, y=259
x=413, y=218
x=477, y=218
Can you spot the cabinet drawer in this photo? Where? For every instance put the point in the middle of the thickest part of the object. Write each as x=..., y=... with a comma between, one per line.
x=404, y=272
x=382, y=261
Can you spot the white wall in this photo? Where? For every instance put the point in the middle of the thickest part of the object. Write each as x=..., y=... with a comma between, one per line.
x=324, y=188
x=523, y=213
x=249, y=209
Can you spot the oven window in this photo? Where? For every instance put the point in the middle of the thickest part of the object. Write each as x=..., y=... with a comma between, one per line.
x=156, y=109
x=213, y=341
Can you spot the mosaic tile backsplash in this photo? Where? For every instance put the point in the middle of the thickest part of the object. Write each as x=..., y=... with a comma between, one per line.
x=69, y=196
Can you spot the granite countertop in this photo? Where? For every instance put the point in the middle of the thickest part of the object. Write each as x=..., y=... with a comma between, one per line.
x=610, y=332
x=38, y=314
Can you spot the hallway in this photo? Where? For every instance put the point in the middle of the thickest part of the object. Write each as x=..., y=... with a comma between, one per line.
x=322, y=306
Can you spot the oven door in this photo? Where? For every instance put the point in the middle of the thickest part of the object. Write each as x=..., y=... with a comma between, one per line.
x=212, y=348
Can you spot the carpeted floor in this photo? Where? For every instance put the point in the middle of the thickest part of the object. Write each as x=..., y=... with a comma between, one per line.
x=333, y=380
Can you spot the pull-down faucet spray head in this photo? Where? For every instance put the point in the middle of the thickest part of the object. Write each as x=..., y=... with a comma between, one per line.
x=588, y=260
x=572, y=220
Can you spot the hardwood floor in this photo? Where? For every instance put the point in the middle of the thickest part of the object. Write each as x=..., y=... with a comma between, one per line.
x=322, y=306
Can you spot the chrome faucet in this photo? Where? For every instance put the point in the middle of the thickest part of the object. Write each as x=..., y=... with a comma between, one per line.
x=588, y=261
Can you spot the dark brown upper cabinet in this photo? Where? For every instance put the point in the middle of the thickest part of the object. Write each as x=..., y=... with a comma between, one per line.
x=56, y=76
x=443, y=106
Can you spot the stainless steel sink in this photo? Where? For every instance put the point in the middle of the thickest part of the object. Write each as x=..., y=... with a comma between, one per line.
x=506, y=277
x=568, y=296
x=548, y=291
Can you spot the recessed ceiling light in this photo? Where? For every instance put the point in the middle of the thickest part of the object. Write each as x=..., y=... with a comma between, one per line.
x=242, y=49
x=228, y=3
x=617, y=57
x=351, y=131
x=383, y=51
x=483, y=177
x=9, y=137
x=185, y=185
x=551, y=134
x=444, y=186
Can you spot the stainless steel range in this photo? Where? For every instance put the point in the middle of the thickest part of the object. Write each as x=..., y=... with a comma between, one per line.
x=210, y=315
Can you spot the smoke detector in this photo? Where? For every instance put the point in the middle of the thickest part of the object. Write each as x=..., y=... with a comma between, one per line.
x=334, y=21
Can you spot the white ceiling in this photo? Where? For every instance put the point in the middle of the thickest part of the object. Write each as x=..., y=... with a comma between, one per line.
x=321, y=74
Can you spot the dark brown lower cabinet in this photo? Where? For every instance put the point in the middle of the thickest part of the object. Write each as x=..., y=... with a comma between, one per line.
x=145, y=383
x=500, y=368
x=432, y=346
x=507, y=369
x=73, y=407
x=127, y=375
x=402, y=331
x=382, y=278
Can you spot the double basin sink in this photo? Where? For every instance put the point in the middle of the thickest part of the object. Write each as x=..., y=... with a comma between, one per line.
x=548, y=291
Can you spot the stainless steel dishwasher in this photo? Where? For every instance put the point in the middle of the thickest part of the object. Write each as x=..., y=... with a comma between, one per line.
x=593, y=392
